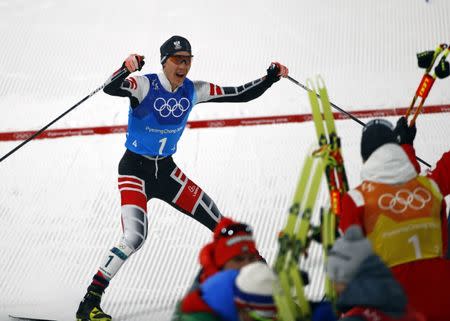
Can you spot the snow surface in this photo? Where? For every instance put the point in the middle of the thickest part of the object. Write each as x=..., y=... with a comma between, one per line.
x=59, y=204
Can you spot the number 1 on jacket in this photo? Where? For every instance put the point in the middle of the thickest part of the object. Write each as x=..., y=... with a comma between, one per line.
x=416, y=243
x=163, y=143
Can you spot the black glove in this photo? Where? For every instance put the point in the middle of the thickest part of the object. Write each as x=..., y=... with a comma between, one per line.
x=404, y=133
x=424, y=59
x=442, y=69
x=272, y=72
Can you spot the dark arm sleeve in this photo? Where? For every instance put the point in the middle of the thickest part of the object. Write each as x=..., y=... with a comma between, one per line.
x=208, y=92
x=114, y=88
x=135, y=88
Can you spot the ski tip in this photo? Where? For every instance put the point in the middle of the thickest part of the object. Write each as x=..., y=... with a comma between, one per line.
x=310, y=84
x=320, y=81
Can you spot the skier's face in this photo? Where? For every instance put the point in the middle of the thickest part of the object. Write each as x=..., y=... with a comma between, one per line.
x=177, y=67
x=240, y=261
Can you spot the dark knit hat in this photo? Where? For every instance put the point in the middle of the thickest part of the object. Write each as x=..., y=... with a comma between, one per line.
x=347, y=254
x=376, y=133
x=173, y=45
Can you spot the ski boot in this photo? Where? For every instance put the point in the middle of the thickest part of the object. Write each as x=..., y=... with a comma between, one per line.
x=89, y=309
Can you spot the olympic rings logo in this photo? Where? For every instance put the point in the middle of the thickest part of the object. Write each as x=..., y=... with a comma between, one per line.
x=404, y=199
x=171, y=107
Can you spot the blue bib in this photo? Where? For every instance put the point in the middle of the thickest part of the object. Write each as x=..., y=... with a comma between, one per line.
x=156, y=124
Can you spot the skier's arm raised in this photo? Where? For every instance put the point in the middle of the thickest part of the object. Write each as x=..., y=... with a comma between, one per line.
x=405, y=137
x=441, y=174
x=136, y=87
x=208, y=92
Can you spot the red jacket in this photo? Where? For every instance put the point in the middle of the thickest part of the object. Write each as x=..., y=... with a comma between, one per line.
x=370, y=314
x=426, y=281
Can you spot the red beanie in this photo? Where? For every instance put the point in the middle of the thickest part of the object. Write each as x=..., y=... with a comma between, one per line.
x=232, y=239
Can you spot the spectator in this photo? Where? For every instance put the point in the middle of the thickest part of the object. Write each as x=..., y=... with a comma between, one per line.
x=403, y=214
x=232, y=247
x=233, y=295
x=366, y=288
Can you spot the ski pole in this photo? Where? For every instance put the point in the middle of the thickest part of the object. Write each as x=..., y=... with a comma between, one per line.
x=441, y=71
x=120, y=73
x=333, y=105
x=346, y=113
x=425, y=60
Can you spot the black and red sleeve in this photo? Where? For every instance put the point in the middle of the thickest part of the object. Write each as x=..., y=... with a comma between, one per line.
x=208, y=92
x=135, y=87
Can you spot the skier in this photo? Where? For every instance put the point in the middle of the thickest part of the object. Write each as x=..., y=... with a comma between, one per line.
x=233, y=295
x=403, y=214
x=233, y=247
x=366, y=288
x=159, y=108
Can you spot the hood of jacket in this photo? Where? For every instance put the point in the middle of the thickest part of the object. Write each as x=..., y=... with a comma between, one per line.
x=389, y=164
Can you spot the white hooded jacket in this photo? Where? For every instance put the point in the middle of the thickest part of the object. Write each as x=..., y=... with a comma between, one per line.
x=388, y=164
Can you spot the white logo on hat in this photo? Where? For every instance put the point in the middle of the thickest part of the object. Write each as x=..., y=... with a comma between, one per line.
x=177, y=44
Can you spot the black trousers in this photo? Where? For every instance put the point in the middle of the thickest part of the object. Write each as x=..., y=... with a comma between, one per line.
x=163, y=180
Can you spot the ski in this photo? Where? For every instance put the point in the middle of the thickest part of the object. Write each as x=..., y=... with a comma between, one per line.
x=15, y=317
x=427, y=60
x=329, y=148
x=295, y=237
x=329, y=143
x=293, y=241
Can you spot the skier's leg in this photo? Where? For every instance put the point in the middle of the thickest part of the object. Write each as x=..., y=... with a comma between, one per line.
x=132, y=188
x=185, y=195
x=133, y=176
x=134, y=227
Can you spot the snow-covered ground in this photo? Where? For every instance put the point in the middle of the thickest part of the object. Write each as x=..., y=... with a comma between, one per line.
x=59, y=204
